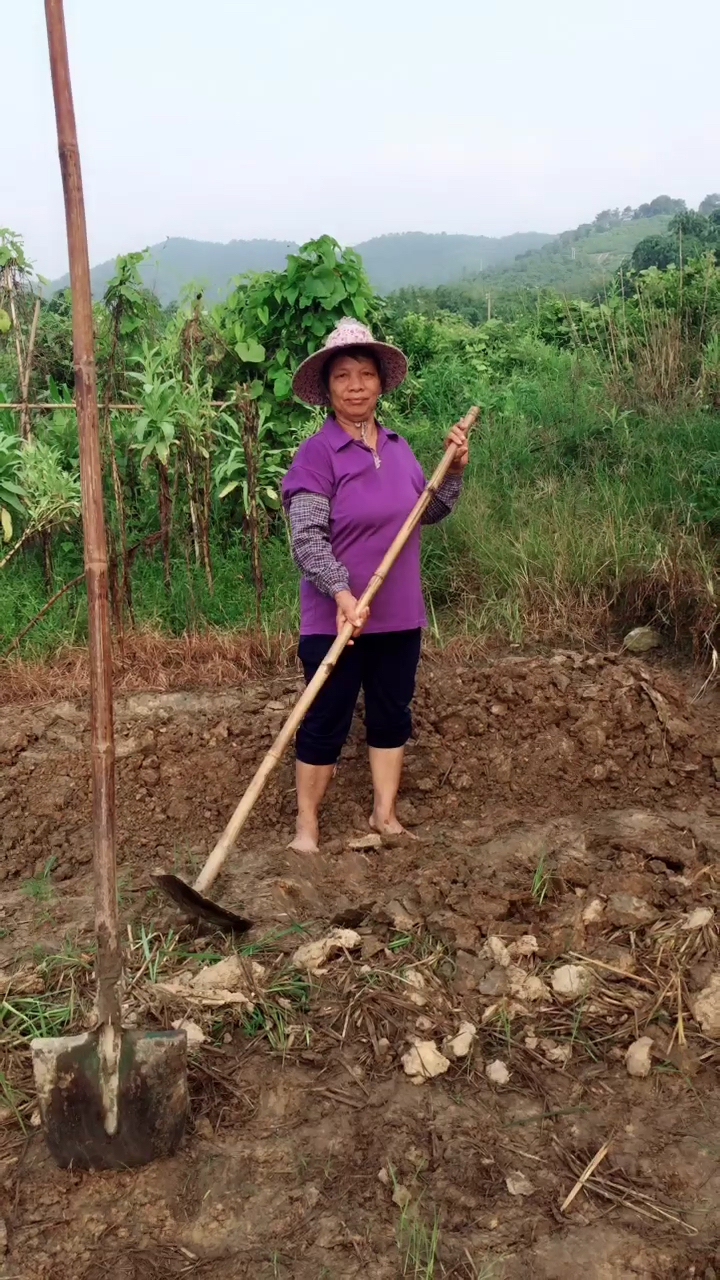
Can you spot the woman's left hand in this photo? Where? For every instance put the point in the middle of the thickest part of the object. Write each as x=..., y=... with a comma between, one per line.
x=458, y=436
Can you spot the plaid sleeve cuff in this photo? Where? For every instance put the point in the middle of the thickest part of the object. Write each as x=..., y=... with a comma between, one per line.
x=310, y=538
x=442, y=502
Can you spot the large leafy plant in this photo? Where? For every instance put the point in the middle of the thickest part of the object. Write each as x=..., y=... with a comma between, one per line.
x=272, y=321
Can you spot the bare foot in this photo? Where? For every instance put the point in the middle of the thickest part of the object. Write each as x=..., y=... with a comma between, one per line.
x=306, y=838
x=390, y=827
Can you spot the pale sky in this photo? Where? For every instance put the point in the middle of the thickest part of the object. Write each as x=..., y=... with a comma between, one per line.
x=227, y=119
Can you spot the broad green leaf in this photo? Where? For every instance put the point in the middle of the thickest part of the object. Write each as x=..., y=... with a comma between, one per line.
x=5, y=321
x=6, y=522
x=250, y=352
x=229, y=488
x=264, y=315
x=282, y=385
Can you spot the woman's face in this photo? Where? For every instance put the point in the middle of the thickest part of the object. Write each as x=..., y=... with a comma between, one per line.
x=354, y=386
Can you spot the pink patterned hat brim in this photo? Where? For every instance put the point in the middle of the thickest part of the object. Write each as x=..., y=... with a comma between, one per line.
x=307, y=382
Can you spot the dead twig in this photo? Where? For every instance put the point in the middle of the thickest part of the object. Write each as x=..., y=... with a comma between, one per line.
x=53, y=600
x=611, y=968
x=587, y=1173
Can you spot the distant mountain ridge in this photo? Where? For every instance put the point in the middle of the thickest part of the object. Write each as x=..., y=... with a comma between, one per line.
x=391, y=261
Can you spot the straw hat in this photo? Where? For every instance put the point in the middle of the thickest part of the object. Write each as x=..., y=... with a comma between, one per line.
x=308, y=383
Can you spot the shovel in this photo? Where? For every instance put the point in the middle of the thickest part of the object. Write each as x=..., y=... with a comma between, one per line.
x=191, y=898
x=108, y=1098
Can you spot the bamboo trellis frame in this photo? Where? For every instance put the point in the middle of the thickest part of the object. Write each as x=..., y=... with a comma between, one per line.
x=19, y=405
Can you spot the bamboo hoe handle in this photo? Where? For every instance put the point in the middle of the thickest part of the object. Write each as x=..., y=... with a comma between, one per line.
x=225, y=844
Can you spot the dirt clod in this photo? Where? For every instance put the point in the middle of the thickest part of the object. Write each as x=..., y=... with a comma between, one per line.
x=571, y=981
x=313, y=955
x=706, y=1007
x=462, y=1043
x=629, y=912
x=423, y=1061
x=497, y=1072
x=637, y=1059
x=518, y=1184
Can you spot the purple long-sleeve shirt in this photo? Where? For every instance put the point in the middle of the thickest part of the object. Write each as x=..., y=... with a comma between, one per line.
x=348, y=511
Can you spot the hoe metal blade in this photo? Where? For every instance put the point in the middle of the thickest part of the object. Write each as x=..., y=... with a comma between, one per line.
x=199, y=907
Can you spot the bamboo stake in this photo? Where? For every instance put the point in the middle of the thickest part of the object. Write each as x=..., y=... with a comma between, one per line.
x=249, y=428
x=25, y=381
x=10, y=286
x=224, y=845
x=107, y=966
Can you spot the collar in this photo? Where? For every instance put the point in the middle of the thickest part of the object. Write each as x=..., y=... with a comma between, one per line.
x=339, y=438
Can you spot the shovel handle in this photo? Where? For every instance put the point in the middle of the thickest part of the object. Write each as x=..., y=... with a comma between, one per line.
x=102, y=750
x=227, y=840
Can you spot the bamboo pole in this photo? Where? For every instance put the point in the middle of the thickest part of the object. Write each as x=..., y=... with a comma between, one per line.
x=48, y=406
x=224, y=845
x=96, y=569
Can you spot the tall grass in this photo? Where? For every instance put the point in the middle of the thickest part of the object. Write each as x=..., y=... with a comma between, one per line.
x=575, y=515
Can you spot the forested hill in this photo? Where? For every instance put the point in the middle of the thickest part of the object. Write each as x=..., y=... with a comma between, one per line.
x=576, y=262
x=392, y=261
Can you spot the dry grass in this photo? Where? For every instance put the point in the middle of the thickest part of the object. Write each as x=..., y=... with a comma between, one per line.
x=150, y=661
x=681, y=604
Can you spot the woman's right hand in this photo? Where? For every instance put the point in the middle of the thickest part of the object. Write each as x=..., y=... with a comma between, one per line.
x=348, y=611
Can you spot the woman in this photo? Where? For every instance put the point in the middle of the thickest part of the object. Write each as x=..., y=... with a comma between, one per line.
x=347, y=493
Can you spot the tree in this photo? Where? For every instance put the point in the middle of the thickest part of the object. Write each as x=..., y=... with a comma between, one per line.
x=710, y=203
x=654, y=251
x=607, y=218
x=661, y=204
x=689, y=224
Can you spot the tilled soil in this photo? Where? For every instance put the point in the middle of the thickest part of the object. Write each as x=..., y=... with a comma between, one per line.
x=569, y=799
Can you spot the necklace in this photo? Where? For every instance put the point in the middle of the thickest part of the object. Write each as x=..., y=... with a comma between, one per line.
x=374, y=452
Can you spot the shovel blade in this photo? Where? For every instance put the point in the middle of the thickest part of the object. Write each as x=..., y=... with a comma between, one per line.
x=152, y=1099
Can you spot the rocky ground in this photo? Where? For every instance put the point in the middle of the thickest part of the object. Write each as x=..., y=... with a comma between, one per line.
x=530, y=985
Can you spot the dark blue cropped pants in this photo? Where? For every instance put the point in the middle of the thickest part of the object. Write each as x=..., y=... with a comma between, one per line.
x=384, y=665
